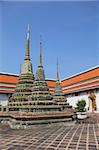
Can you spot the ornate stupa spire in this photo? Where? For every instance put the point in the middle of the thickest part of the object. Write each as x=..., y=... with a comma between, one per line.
x=40, y=75
x=27, y=65
x=58, y=96
x=27, y=53
x=57, y=77
x=40, y=50
x=58, y=88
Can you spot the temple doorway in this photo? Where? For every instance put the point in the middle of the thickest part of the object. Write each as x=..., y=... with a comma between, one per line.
x=92, y=102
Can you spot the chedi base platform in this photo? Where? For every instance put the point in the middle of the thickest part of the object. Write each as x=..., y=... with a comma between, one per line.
x=23, y=120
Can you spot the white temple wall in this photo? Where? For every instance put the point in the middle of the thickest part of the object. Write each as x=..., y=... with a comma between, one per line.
x=3, y=99
x=72, y=99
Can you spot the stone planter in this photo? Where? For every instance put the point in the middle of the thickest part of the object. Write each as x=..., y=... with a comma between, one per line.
x=81, y=115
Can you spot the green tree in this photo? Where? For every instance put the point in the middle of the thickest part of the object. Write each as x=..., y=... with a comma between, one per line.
x=81, y=105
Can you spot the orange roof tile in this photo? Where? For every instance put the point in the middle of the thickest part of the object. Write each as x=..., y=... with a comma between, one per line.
x=51, y=83
x=8, y=78
x=93, y=73
x=81, y=77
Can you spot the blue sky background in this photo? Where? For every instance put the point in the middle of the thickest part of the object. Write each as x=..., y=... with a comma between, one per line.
x=70, y=31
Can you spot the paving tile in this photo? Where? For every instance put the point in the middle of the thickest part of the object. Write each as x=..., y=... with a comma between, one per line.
x=75, y=137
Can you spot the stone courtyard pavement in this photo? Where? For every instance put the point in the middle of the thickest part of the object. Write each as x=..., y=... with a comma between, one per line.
x=51, y=137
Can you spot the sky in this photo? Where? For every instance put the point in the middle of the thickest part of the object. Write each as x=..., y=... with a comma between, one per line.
x=69, y=29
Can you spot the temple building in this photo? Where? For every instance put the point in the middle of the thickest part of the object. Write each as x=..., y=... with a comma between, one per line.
x=84, y=85
x=76, y=87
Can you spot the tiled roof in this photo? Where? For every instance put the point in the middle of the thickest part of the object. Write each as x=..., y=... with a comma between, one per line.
x=8, y=78
x=82, y=81
x=81, y=77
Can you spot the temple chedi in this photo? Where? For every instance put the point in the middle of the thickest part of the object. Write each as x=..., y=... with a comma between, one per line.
x=25, y=81
x=40, y=90
x=58, y=96
x=32, y=103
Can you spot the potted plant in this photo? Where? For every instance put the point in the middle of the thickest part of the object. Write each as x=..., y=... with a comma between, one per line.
x=81, y=111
